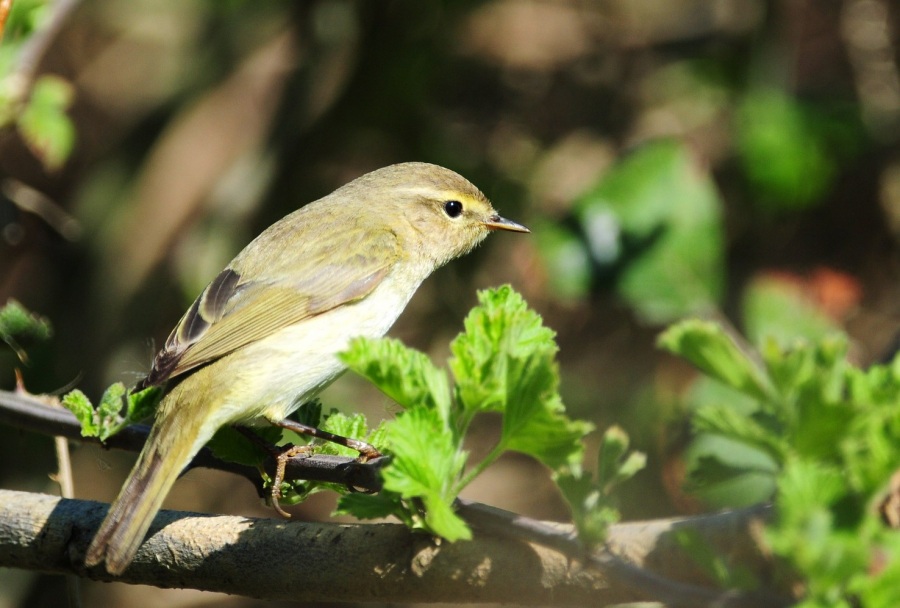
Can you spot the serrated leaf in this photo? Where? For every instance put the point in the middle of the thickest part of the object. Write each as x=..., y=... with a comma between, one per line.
x=711, y=349
x=77, y=402
x=727, y=473
x=591, y=499
x=110, y=409
x=352, y=426
x=542, y=430
x=499, y=334
x=402, y=373
x=441, y=519
x=425, y=465
x=504, y=361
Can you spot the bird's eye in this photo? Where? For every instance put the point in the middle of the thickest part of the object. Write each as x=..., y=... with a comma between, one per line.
x=453, y=208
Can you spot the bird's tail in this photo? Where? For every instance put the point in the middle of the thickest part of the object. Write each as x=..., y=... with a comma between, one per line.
x=170, y=447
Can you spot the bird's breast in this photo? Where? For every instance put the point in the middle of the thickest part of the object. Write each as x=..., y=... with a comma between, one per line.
x=278, y=373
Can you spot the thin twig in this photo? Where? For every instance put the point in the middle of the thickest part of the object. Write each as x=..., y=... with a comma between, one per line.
x=30, y=413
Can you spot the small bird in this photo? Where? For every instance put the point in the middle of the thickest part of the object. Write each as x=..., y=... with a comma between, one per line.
x=264, y=335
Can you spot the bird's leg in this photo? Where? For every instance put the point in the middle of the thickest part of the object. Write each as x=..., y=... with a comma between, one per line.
x=281, y=456
x=366, y=452
x=281, y=462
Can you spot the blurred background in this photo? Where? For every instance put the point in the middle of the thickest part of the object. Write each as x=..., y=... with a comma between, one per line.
x=733, y=158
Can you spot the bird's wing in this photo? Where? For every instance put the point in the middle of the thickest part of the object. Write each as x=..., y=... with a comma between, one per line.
x=234, y=311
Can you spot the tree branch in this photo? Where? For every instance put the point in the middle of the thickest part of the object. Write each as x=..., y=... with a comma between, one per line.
x=307, y=562
x=275, y=559
x=513, y=559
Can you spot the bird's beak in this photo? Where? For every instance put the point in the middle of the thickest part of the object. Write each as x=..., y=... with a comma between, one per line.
x=495, y=222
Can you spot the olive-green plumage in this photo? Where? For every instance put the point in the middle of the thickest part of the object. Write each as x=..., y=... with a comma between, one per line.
x=264, y=335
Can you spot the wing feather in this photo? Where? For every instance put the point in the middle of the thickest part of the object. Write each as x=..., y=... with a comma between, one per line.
x=233, y=311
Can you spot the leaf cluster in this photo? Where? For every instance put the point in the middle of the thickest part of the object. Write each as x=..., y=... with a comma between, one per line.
x=503, y=364
x=116, y=409
x=591, y=498
x=820, y=436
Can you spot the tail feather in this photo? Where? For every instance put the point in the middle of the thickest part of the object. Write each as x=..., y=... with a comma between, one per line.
x=167, y=451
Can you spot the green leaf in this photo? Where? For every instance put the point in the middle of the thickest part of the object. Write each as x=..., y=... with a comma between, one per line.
x=726, y=473
x=117, y=409
x=777, y=309
x=403, y=374
x=142, y=404
x=541, y=429
x=17, y=323
x=499, y=333
x=654, y=221
x=44, y=124
x=592, y=500
x=370, y=506
x=566, y=258
x=230, y=445
x=347, y=425
x=722, y=419
x=824, y=443
x=505, y=362
x=614, y=463
x=426, y=463
x=774, y=125
x=77, y=402
x=592, y=511
x=110, y=409
x=441, y=519
x=712, y=350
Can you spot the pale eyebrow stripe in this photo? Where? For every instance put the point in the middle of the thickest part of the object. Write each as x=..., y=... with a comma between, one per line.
x=434, y=192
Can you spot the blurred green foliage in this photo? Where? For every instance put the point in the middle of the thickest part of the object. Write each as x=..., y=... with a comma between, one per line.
x=17, y=324
x=654, y=221
x=818, y=436
x=37, y=108
x=792, y=151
